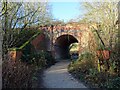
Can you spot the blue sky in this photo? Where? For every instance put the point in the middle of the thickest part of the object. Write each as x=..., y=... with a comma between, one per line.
x=66, y=10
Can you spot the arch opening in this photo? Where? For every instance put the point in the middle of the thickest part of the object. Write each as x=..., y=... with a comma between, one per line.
x=62, y=45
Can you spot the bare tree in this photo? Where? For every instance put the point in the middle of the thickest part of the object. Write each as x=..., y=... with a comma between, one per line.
x=105, y=15
x=16, y=16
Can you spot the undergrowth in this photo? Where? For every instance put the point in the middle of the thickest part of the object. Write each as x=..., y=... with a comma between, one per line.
x=85, y=70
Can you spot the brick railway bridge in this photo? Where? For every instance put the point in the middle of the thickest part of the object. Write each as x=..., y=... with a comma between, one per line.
x=61, y=37
x=57, y=39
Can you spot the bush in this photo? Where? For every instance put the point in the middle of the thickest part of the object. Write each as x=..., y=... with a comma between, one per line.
x=84, y=69
x=47, y=56
x=17, y=74
x=27, y=53
x=83, y=64
x=112, y=83
x=50, y=59
x=86, y=56
x=35, y=58
x=41, y=58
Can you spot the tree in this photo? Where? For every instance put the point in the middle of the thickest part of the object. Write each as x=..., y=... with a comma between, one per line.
x=16, y=16
x=119, y=27
x=104, y=14
x=26, y=14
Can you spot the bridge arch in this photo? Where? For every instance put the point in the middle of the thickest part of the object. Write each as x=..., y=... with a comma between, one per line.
x=61, y=46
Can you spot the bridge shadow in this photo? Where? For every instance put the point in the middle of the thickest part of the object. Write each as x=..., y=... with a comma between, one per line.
x=61, y=46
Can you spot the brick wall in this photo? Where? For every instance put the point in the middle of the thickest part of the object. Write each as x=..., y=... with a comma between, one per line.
x=15, y=55
x=39, y=43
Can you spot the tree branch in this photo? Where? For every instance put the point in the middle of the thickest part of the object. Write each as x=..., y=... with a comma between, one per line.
x=14, y=15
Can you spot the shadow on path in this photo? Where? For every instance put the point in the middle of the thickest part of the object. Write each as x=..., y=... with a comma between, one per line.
x=57, y=76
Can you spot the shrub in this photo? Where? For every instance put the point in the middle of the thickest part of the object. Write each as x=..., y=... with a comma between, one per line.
x=41, y=58
x=17, y=74
x=47, y=57
x=84, y=69
x=83, y=64
x=27, y=53
x=35, y=58
x=112, y=83
x=50, y=59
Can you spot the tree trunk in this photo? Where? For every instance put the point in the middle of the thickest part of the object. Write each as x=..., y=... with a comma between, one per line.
x=119, y=28
x=4, y=44
x=119, y=35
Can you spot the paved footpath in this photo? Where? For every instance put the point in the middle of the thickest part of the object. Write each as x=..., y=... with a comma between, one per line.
x=57, y=76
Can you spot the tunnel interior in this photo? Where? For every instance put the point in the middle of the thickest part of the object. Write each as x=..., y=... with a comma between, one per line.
x=62, y=44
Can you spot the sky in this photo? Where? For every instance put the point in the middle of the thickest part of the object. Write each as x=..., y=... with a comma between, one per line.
x=66, y=10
